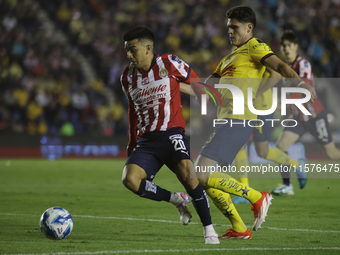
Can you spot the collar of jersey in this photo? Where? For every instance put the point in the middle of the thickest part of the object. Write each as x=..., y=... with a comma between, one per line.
x=244, y=43
x=152, y=64
x=295, y=60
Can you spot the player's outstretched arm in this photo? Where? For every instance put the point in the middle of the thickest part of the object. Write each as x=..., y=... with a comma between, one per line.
x=132, y=129
x=186, y=89
x=193, y=86
x=211, y=80
x=281, y=67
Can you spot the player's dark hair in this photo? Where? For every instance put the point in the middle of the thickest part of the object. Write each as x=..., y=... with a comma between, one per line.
x=243, y=14
x=139, y=33
x=290, y=36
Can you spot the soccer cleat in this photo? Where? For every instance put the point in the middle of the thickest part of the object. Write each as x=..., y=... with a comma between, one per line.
x=240, y=200
x=260, y=209
x=283, y=190
x=301, y=174
x=211, y=238
x=231, y=234
x=182, y=207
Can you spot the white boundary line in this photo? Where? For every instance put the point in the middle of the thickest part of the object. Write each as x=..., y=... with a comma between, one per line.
x=178, y=222
x=182, y=251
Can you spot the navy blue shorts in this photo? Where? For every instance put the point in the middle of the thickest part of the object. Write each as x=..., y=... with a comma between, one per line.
x=318, y=127
x=263, y=133
x=226, y=141
x=157, y=148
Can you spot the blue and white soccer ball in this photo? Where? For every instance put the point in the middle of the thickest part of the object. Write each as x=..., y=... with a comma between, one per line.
x=56, y=223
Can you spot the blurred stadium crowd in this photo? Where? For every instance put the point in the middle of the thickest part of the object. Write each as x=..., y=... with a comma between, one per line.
x=45, y=90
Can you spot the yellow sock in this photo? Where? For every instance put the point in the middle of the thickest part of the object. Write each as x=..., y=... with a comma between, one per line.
x=278, y=156
x=241, y=159
x=223, y=203
x=226, y=183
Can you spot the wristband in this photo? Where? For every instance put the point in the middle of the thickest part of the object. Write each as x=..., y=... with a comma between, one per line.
x=300, y=83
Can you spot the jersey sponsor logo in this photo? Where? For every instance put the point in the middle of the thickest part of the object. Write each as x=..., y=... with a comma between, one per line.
x=177, y=59
x=264, y=45
x=149, y=91
x=154, y=90
x=163, y=72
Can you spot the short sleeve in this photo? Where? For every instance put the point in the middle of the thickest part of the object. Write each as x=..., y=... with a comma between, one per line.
x=181, y=69
x=259, y=51
x=123, y=87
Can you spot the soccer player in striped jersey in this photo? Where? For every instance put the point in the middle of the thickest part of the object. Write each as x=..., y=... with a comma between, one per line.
x=156, y=127
x=316, y=124
x=243, y=68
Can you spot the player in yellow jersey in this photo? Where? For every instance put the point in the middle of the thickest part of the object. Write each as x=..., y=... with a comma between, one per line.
x=262, y=133
x=244, y=68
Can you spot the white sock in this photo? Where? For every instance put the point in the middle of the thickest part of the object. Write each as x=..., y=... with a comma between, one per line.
x=209, y=228
x=174, y=199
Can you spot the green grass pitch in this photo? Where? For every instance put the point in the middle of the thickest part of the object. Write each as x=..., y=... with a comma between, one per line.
x=109, y=219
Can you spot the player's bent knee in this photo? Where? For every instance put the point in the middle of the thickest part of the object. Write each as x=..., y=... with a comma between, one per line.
x=331, y=151
x=281, y=145
x=131, y=179
x=262, y=153
x=131, y=183
x=333, y=155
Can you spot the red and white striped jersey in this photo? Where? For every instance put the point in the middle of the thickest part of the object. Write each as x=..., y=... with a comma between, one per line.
x=154, y=95
x=304, y=69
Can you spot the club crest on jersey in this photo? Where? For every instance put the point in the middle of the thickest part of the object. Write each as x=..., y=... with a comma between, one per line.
x=163, y=72
x=227, y=62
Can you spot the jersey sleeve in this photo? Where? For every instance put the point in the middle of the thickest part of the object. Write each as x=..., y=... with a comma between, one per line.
x=196, y=85
x=180, y=70
x=132, y=126
x=304, y=70
x=123, y=88
x=132, y=116
x=183, y=73
x=259, y=51
x=218, y=70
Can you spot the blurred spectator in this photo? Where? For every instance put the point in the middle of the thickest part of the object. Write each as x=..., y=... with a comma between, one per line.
x=79, y=100
x=9, y=22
